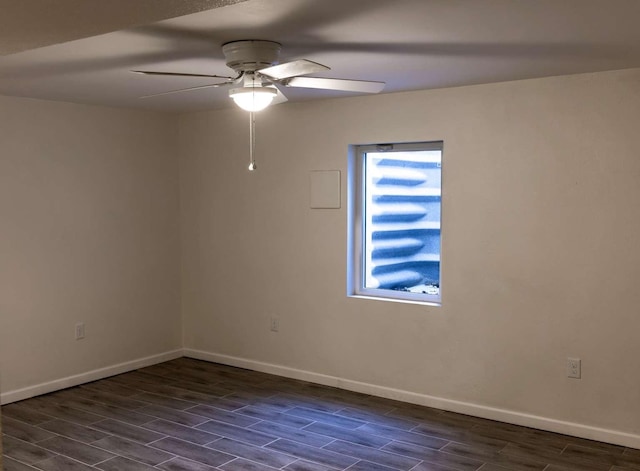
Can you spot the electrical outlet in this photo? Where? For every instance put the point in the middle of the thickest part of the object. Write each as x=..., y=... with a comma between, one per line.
x=275, y=324
x=574, y=368
x=80, y=331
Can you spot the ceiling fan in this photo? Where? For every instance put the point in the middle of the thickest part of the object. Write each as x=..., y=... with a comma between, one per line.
x=259, y=75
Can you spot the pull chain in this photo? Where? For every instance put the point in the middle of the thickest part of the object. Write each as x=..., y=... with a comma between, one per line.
x=252, y=141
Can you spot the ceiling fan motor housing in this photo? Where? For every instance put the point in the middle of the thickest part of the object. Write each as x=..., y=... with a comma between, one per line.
x=251, y=55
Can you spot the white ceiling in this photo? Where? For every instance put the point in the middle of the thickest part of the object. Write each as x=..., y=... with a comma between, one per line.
x=27, y=24
x=409, y=44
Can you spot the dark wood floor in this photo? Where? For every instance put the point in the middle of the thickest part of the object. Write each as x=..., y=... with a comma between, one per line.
x=195, y=416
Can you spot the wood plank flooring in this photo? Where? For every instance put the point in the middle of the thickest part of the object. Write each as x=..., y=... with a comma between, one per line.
x=190, y=415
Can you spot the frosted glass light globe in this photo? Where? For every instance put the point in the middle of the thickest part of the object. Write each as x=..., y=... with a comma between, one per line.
x=253, y=98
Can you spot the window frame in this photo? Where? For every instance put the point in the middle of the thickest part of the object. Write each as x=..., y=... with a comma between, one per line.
x=356, y=224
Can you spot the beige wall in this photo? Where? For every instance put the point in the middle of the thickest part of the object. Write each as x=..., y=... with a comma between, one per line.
x=540, y=245
x=540, y=253
x=89, y=233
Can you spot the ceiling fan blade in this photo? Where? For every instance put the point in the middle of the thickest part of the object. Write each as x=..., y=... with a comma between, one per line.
x=280, y=97
x=213, y=85
x=293, y=69
x=362, y=86
x=179, y=74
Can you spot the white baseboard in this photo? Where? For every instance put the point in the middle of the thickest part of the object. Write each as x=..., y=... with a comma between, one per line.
x=75, y=380
x=477, y=410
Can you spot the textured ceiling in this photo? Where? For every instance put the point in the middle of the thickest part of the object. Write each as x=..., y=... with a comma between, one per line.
x=409, y=44
x=27, y=24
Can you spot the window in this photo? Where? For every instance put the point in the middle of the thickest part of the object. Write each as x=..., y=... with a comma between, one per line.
x=394, y=221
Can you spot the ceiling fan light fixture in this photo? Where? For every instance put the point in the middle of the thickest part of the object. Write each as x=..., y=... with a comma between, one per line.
x=253, y=98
